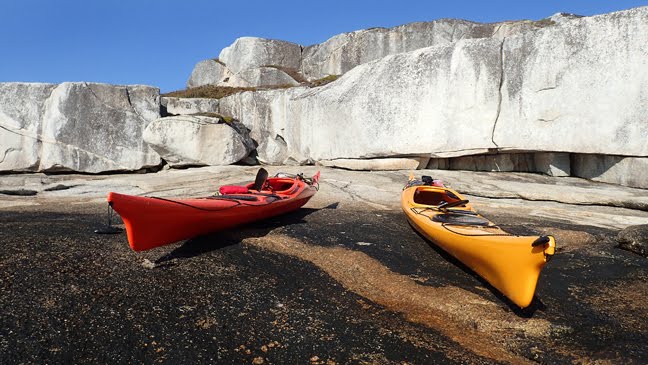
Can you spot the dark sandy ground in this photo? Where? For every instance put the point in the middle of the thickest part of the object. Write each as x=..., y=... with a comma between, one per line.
x=325, y=286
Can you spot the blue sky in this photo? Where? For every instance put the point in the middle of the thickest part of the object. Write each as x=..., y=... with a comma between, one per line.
x=158, y=42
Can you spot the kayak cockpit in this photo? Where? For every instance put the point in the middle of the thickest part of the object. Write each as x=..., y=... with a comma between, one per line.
x=434, y=196
x=280, y=185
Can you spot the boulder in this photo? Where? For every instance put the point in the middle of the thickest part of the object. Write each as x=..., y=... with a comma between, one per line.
x=183, y=106
x=197, y=141
x=260, y=76
x=377, y=164
x=578, y=86
x=634, y=239
x=629, y=171
x=251, y=52
x=208, y=72
x=22, y=106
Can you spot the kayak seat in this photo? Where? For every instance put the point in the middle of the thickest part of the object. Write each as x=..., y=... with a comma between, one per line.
x=460, y=219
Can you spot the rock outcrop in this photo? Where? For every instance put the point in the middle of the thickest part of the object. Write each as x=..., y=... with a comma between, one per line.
x=250, y=62
x=345, y=51
x=564, y=96
x=198, y=141
x=419, y=107
x=545, y=89
x=75, y=126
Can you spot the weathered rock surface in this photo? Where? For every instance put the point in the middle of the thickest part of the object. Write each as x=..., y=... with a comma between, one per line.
x=184, y=106
x=98, y=127
x=208, y=72
x=345, y=51
x=579, y=86
x=554, y=89
x=197, y=141
x=260, y=76
x=251, y=52
x=22, y=106
x=634, y=239
x=266, y=115
x=81, y=127
x=425, y=109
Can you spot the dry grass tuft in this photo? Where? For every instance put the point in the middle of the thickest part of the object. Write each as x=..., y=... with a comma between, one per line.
x=208, y=91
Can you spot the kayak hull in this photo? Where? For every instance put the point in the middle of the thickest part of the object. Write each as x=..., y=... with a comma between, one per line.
x=511, y=264
x=152, y=221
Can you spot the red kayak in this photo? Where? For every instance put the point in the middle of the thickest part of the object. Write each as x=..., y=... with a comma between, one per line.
x=152, y=222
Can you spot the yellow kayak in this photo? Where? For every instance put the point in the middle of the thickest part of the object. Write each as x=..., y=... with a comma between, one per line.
x=510, y=263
